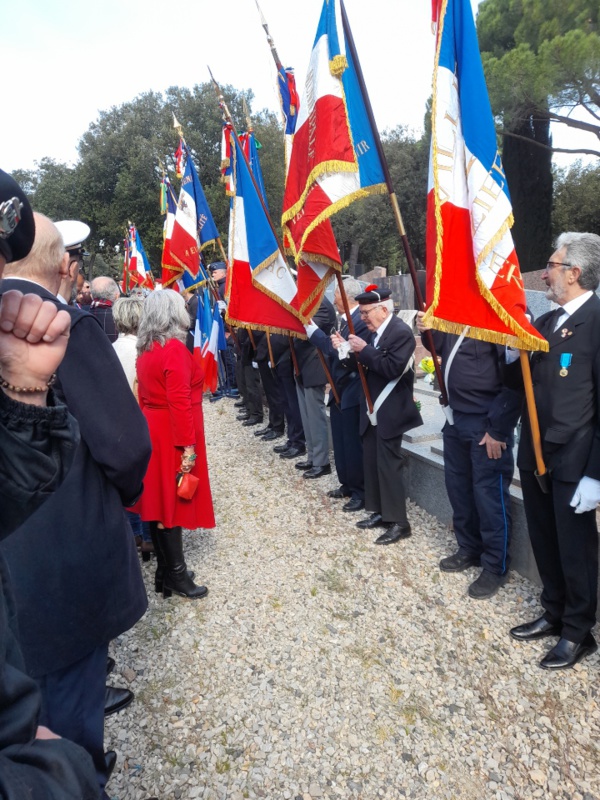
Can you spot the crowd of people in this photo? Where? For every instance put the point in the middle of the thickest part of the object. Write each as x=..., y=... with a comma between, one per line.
x=83, y=370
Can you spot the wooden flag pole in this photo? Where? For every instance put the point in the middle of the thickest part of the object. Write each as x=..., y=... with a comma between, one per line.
x=541, y=473
x=394, y=201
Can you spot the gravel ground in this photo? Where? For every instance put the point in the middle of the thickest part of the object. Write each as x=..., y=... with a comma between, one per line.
x=321, y=666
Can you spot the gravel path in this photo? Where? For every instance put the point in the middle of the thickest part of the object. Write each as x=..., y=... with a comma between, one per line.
x=321, y=666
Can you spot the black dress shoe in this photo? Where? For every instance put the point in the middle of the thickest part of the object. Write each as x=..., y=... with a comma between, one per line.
x=293, y=452
x=239, y=404
x=317, y=472
x=458, y=562
x=535, y=630
x=116, y=699
x=374, y=521
x=354, y=504
x=111, y=762
x=282, y=448
x=337, y=494
x=243, y=416
x=262, y=431
x=486, y=585
x=252, y=421
x=304, y=465
x=110, y=665
x=271, y=435
x=394, y=533
x=566, y=654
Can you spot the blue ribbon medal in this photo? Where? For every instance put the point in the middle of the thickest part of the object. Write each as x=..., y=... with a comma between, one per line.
x=565, y=363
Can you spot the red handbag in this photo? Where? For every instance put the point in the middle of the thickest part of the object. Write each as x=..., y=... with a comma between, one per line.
x=187, y=485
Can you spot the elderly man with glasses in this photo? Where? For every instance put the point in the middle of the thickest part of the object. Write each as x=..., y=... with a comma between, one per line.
x=562, y=521
x=388, y=358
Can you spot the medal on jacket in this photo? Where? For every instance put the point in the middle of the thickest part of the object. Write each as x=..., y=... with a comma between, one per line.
x=566, y=332
x=565, y=363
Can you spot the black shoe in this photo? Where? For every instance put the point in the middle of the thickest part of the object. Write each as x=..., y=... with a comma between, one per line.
x=239, y=404
x=293, y=452
x=252, y=421
x=110, y=665
x=217, y=396
x=317, y=472
x=354, y=504
x=537, y=629
x=337, y=494
x=111, y=762
x=233, y=393
x=486, y=585
x=304, y=465
x=243, y=416
x=263, y=431
x=374, y=521
x=282, y=448
x=177, y=578
x=394, y=533
x=271, y=435
x=566, y=654
x=458, y=562
x=116, y=699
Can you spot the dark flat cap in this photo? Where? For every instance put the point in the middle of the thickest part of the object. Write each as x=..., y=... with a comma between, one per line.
x=17, y=228
x=373, y=294
x=217, y=265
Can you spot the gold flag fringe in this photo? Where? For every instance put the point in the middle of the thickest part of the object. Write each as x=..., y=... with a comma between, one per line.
x=338, y=65
x=236, y=323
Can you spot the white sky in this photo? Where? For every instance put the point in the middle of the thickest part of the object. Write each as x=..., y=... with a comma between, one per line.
x=65, y=60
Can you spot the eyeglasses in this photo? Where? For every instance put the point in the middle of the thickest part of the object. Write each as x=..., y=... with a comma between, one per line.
x=364, y=312
x=551, y=264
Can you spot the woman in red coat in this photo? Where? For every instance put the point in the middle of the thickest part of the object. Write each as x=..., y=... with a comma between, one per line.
x=170, y=382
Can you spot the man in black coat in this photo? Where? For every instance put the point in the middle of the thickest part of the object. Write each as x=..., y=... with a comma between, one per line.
x=562, y=523
x=272, y=388
x=37, y=443
x=388, y=357
x=345, y=417
x=310, y=387
x=105, y=294
x=74, y=565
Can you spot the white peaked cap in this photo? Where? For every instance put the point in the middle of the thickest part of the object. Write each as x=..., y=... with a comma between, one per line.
x=73, y=232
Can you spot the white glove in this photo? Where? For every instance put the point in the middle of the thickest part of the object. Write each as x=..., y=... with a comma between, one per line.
x=587, y=495
x=310, y=328
x=222, y=305
x=255, y=365
x=344, y=350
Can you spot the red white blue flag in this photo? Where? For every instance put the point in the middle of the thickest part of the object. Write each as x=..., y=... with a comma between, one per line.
x=334, y=159
x=473, y=275
x=209, y=338
x=140, y=272
x=262, y=290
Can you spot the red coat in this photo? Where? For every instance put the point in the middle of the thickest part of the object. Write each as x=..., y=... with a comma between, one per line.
x=170, y=385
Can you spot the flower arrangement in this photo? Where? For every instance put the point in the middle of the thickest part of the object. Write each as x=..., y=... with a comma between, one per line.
x=426, y=364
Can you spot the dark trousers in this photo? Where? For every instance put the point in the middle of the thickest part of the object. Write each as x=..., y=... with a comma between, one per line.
x=73, y=705
x=347, y=449
x=253, y=392
x=384, y=485
x=240, y=379
x=565, y=546
x=273, y=395
x=478, y=490
x=291, y=408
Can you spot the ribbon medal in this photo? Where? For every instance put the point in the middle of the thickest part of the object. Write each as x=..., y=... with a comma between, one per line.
x=565, y=363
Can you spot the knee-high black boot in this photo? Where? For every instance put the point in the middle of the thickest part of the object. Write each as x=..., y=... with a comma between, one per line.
x=161, y=563
x=176, y=577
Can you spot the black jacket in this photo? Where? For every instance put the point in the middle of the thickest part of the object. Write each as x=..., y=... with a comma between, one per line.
x=75, y=570
x=311, y=370
x=37, y=446
x=568, y=405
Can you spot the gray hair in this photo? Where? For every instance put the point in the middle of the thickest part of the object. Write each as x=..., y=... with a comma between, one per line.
x=352, y=287
x=104, y=288
x=126, y=314
x=164, y=317
x=46, y=255
x=389, y=304
x=582, y=250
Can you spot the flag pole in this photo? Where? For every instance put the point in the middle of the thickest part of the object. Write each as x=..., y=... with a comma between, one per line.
x=393, y=200
x=541, y=473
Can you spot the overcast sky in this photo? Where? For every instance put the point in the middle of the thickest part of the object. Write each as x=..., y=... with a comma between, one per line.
x=66, y=60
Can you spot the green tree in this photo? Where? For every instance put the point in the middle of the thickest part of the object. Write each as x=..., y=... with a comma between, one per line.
x=576, y=194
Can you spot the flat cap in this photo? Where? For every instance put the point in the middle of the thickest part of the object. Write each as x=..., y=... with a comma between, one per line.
x=373, y=294
x=17, y=227
x=217, y=265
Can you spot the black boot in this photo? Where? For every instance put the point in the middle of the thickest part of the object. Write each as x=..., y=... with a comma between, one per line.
x=176, y=578
x=161, y=564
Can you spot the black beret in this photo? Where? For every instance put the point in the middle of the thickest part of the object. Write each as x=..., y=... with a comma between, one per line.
x=217, y=265
x=373, y=294
x=15, y=240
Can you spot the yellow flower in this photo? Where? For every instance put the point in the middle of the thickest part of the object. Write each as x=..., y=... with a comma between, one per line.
x=426, y=364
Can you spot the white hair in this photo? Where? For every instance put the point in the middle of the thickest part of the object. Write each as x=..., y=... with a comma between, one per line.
x=164, y=317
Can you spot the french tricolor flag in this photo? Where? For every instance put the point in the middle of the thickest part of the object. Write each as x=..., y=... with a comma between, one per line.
x=334, y=159
x=209, y=338
x=473, y=275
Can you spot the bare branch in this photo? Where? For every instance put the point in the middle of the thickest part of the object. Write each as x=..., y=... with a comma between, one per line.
x=583, y=151
x=576, y=123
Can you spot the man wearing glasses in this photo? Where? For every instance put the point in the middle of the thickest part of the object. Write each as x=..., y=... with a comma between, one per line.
x=562, y=522
x=388, y=358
